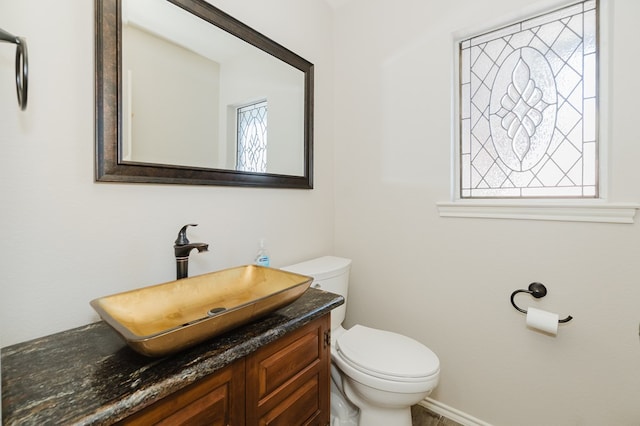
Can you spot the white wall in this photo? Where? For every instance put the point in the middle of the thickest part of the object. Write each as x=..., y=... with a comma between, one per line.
x=157, y=93
x=65, y=239
x=447, y=282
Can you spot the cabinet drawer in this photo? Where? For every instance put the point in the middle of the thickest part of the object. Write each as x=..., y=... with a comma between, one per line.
x=302, y=404
x=279, y=367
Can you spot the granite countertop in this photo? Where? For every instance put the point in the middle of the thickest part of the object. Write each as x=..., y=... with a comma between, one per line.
x=89, y=376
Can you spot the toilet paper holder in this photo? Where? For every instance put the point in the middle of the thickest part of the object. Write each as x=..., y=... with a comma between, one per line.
x=537, y=290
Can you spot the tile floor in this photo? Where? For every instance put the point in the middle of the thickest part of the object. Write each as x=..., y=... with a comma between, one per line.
x=421, y=416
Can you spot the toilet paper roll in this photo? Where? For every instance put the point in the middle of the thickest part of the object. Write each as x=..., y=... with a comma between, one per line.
x=542, y=320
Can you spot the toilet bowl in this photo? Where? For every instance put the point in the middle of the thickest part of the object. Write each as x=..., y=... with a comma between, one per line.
x=380, y=372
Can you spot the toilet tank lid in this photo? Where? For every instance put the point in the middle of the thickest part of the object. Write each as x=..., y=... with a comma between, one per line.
x=387, y=354
x=321, y=267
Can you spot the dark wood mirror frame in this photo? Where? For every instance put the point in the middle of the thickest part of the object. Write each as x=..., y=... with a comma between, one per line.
x=108, y=93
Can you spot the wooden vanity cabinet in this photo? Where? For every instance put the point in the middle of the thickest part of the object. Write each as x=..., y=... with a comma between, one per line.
x=284, y=383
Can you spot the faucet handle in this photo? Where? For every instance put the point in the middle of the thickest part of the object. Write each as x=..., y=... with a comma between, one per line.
x=182, y=235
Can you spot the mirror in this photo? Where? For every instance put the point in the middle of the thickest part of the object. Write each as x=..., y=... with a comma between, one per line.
x=186, y=94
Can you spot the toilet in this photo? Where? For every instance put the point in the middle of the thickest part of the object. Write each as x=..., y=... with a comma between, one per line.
x=377, y=375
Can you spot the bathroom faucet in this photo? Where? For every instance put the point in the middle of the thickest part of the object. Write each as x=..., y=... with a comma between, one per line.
x=182, y=248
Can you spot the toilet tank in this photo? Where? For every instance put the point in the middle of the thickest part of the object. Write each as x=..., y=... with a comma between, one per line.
x=330, y=273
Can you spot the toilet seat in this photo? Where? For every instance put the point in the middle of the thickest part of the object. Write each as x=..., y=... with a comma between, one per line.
x=387, y=355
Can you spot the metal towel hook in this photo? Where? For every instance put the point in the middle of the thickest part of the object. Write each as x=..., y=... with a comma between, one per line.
x=22, y=66
x=537, y=290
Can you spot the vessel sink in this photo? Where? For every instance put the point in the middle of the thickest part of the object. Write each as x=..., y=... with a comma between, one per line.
x=166, y=318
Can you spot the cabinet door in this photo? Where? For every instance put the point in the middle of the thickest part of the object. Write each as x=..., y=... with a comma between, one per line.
x=287, y=381
x=217, y=400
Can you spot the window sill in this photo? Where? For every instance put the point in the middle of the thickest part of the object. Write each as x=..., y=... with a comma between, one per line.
x=591, y=211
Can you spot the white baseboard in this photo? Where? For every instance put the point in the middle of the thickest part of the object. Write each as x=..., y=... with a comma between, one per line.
x=451, y=413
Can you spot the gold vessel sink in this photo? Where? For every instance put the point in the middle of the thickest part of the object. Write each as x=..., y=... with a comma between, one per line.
x=166, y=318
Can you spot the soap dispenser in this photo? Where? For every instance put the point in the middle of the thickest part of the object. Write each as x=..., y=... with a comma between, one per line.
x=262, y=258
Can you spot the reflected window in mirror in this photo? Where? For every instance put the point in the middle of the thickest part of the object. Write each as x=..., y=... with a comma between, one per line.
x=252, y=137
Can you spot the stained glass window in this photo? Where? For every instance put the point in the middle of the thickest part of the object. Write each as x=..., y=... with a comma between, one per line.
x=528, y=108
x=252, y=138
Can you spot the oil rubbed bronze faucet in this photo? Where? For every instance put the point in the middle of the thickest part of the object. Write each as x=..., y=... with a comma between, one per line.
x=182, y=248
